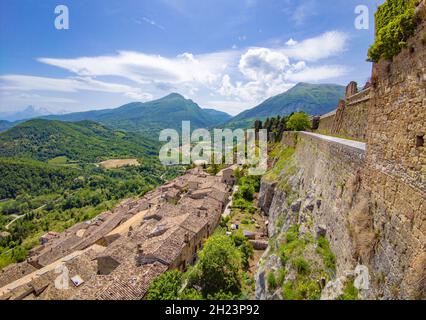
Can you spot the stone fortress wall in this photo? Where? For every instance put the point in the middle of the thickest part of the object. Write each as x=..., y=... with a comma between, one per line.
x=372, y=203
x=395, y=173
x=350, y=118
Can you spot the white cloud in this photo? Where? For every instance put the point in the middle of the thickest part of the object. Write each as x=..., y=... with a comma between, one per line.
x=239, y=77
x=75, y=84
x=32, y=98
x=153, y=23
x=291, y=42
x=262, y=64
x=143, y=68
x=315, y=74
x=272, y=71
x=324, y=46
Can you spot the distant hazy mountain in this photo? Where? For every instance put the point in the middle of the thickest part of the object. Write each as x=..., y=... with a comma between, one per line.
x=84, y=141
x=314, y=99
x=28, y=113
x=151, y=117
x=4, y=125
x=218, y=116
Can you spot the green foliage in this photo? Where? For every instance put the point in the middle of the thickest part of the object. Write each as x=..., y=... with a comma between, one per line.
x=216, y=275
x=395, y=23
x=283, y=156
x=32, y=177
x=329, y=259
x=243, y=198
x=221, y=295
x=67, y=188
x=282, y=273
x=304, y=289
x=224, y=221
x=84, y=141
x=301, y=265
x=190, y=294
x=218, y=267
x=151, y=117
x=245, y=247
x=272, y=281
x=299, y=121
x=350, y=292
x=292, y=246
x=166, y=286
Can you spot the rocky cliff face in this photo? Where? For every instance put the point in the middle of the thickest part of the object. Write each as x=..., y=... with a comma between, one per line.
x=320, y=196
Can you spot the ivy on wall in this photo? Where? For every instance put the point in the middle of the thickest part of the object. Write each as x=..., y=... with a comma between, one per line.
x=396, y=21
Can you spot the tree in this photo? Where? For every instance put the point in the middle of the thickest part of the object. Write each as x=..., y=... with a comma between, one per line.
x=166, y=286
x=242, y=243
x=298, y=121
x=218, y=267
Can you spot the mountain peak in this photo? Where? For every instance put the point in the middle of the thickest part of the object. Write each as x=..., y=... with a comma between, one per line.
x=174, y=95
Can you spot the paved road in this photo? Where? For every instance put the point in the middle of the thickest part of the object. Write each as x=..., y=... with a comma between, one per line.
x=350, y=143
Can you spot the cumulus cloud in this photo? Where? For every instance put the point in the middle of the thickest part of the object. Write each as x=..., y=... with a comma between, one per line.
x=291, y=42
x=263, y=63
x=324, y=46
x=272, y=71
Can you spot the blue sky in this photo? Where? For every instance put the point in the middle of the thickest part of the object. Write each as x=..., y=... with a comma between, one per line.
x=224, y=54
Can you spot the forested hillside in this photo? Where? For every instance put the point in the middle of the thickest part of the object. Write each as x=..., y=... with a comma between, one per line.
x=84, y=141
x=50, y=178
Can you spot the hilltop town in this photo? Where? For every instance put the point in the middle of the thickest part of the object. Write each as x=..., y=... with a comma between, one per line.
x=117, y=254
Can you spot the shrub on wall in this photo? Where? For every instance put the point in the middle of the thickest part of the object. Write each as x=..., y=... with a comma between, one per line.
x=395, y=22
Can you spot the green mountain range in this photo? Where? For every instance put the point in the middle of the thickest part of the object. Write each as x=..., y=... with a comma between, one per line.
x=314, y=99
x=84, y=141
x=4, y=125
x=151, y=117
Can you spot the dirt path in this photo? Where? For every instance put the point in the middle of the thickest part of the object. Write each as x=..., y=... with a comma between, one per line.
x=227, y=210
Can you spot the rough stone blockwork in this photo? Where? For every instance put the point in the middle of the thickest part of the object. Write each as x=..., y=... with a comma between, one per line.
x=350, y=118
x=396, y=170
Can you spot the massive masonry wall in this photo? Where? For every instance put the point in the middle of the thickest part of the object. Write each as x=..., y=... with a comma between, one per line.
x=350, y=118
x=396, y=169
x=329, y=172
x=363, y=212
x=353, y=122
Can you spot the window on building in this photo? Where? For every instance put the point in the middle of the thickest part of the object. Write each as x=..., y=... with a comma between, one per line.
x=420, y=141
